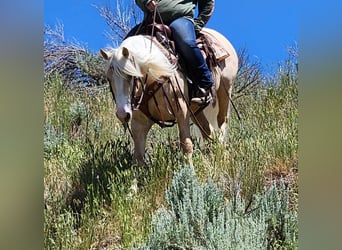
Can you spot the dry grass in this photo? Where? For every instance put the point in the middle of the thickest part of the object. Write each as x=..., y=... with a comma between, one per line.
x=282, y=170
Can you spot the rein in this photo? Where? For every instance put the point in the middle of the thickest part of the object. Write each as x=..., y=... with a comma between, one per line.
x=140, y=102
x=194, y=114
x=148, y=92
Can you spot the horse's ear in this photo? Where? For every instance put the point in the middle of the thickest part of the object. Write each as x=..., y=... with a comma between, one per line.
x=125, y=52
x=104, y=54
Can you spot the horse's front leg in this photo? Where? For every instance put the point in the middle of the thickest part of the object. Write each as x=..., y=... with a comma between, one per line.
x=184, y=136
x=140, y=127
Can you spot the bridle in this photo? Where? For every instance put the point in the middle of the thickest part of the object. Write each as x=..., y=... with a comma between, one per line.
x=142, y=93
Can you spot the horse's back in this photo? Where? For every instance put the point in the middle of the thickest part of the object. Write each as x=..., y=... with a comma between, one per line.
x=232, y=61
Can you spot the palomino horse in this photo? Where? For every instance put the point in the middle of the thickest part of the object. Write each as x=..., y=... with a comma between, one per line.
x=139, y=57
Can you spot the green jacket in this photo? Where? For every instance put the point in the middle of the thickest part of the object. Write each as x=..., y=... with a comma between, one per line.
x=172, y=9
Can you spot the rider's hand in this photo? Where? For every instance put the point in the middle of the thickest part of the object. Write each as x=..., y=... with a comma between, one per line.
x=152, y=5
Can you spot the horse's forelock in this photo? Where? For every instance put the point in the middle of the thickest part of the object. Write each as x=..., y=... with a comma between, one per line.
x=123, y=66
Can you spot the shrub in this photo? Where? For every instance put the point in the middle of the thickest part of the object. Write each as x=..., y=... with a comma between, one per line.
x=72, y=61
x=52, y=140
x=78, y=114
x=197, y=217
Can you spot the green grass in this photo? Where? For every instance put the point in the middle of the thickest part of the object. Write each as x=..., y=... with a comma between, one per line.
x=89, y=198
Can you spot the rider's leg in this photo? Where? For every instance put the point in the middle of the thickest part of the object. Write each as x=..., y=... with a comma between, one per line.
x=184, y=35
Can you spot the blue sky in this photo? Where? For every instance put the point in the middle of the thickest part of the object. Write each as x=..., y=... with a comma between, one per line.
x=264, y=27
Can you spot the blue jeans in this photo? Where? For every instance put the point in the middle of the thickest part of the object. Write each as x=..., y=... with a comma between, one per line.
x=183, y=33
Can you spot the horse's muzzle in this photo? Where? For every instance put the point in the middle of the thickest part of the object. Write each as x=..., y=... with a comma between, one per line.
x=124, y=117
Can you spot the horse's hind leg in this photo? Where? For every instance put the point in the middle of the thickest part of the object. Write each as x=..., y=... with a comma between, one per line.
x=224, y=95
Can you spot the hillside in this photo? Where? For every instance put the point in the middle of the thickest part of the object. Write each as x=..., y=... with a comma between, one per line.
x=92, y=202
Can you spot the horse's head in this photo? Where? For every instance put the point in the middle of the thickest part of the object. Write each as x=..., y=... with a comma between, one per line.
x=137, y=57
x=120, y=73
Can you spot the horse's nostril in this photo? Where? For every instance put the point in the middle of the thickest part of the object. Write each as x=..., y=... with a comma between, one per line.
x=128, y=117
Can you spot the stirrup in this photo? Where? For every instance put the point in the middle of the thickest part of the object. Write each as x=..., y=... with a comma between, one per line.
x=202, y=97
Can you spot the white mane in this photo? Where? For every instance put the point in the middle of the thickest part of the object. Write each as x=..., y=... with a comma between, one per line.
x=144, y=58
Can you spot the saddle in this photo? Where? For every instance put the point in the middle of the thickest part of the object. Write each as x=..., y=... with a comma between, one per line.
x=211, y=50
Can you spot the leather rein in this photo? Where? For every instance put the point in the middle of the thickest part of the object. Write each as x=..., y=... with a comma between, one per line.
x=143, y=93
